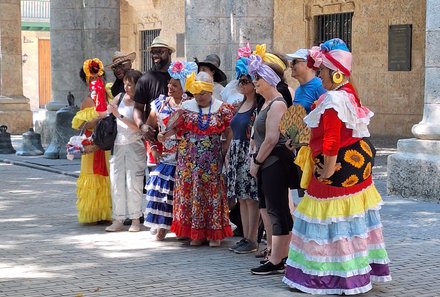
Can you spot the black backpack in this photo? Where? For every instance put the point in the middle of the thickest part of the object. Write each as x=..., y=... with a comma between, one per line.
x=104, y=134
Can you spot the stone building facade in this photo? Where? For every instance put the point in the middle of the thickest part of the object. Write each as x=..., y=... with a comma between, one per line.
x=197, y=28
x=396, y=97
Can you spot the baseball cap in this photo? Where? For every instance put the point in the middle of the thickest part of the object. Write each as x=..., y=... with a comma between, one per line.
x=299, y=54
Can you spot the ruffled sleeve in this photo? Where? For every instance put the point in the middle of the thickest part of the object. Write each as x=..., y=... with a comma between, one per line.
x=354, y=117
x=97, y=92
x=83, y=116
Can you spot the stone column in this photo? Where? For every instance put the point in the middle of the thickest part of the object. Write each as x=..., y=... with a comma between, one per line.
x=222, y=26
x=15, y=111
x=415, y=169
x=79, y=30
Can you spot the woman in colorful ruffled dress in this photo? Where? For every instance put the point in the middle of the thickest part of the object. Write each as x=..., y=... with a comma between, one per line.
x=160, y=185
x=337, y=245
x=93, y=185
x=200, y=205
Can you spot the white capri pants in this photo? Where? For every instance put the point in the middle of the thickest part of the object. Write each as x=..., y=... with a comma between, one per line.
x=127, y=169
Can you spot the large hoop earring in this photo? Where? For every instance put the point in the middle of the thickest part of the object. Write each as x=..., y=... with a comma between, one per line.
x=337, y=77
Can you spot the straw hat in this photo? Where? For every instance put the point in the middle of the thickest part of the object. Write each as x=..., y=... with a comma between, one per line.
x=213, y=62
x=120, y=57
x=161, y=42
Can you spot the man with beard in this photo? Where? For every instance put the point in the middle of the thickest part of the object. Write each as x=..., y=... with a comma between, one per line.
x=121, y=63
x=152, y=84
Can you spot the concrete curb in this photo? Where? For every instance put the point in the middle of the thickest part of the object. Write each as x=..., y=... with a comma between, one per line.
x=39, y=167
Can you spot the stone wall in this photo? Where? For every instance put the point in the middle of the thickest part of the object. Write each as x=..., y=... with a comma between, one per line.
x=139, y=15
x=396, y=97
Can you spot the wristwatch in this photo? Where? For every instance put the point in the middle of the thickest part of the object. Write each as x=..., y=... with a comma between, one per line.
x=255, y=160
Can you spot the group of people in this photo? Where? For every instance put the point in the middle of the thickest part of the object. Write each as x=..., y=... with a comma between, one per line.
x=209, y=142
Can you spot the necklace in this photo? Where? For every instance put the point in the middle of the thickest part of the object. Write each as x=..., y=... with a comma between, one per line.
x=204, y=125
x=340, y=86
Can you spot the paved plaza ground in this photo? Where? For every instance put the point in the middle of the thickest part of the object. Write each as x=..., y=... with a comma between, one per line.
x=45, y=252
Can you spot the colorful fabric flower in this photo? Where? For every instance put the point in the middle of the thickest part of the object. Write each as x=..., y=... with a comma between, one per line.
x=181, y=69
x=244, y=52
x=93, y=67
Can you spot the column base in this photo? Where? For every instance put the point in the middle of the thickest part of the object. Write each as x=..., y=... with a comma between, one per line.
x=15, y=112
x=414, y=171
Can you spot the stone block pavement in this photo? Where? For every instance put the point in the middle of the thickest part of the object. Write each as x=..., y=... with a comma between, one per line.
x=45, y=252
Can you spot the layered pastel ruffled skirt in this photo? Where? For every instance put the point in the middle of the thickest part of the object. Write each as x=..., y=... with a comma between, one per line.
x=337, y=245
x=160, y=186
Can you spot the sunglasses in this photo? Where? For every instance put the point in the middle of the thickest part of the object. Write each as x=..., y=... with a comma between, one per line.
x=296, y=61
x=123, y=65
x=158, y=51
x=319, y=71
x=257, y=77
x=244, y=82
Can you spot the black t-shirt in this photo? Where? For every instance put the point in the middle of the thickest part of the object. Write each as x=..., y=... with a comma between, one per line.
x=118, y=87
x=150, y=86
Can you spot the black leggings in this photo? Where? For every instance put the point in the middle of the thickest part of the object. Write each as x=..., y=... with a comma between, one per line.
x=274, y=190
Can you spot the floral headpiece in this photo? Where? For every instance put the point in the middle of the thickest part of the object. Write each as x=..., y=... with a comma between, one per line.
x=181, y=69
x=256, y=66
x=333, y=53
x=244, y=52
x=93, y=67
x=196, y=86
x=260, y=50
x=241, y=67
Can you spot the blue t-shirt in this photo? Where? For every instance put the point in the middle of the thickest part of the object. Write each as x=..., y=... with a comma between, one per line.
x=240, y=124
x=308, y=93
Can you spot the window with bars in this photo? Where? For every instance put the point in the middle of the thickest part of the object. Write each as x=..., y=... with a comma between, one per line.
x=330, y=26
x=147, y=37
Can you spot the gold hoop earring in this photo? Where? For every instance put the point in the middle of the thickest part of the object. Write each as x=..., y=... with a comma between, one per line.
x=337, y=77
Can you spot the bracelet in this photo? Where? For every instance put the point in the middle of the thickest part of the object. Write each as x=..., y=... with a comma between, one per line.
x=153, y=146
x=256, y=162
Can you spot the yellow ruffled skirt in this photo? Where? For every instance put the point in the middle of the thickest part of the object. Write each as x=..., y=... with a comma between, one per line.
x=94, y=201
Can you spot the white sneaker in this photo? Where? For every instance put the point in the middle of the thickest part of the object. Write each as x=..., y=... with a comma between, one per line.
x=135, y=226
x=115, y=227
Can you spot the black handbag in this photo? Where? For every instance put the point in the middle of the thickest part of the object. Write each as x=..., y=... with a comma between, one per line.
x=104, y=134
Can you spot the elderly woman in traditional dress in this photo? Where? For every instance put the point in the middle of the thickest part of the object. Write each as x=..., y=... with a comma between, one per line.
x=200, y=203
x=337, y=245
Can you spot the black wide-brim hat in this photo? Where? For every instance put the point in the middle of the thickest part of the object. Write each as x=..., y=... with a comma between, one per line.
x=213, y=61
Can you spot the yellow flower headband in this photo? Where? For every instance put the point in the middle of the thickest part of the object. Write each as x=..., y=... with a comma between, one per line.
x=90, y=66
x=196, y=86
x=260, y=50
